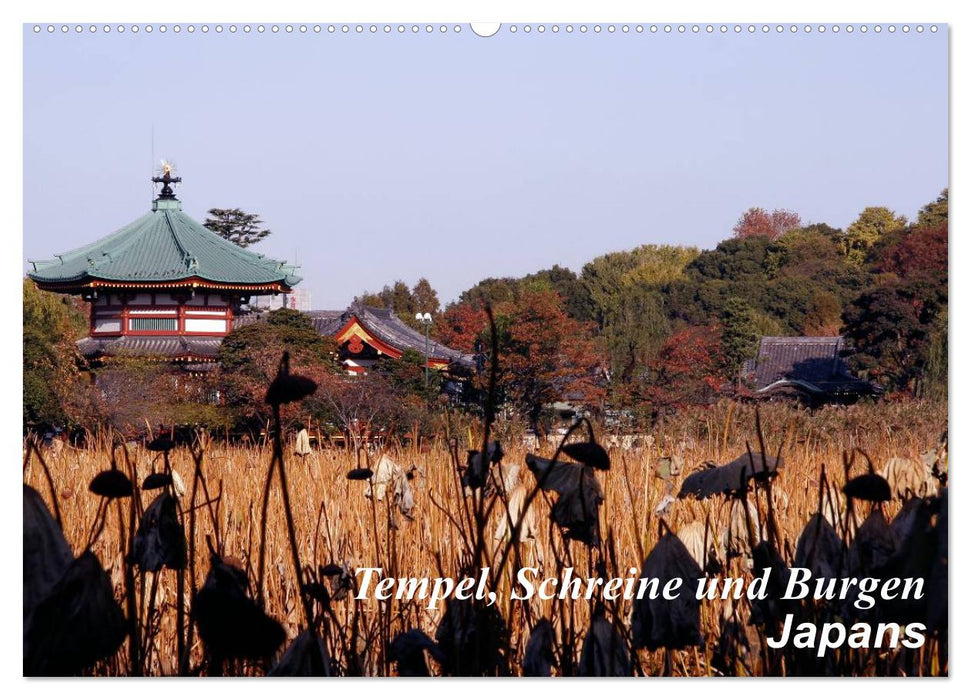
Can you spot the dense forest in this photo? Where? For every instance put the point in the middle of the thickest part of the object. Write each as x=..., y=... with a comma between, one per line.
x=641, y=332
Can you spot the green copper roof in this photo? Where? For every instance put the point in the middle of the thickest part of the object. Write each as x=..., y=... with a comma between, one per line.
x=165, y=245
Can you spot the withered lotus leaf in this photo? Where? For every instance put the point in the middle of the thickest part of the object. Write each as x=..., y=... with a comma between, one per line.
x=329, y=570
x=47, y=555
x=673, y=624
x=160, y=540
x=231, y=624
x=731, y=477
x=873, y=546
x=111, y=483
x=156, y=480
x=163, y=443
x=473, y=639
x=868, y=487
x=577, y=508
x=819, y=548
x=477, y=469
x=287, y=388
x=589, y=453
x=302, y=660
x=538, y=659
x=604, y=651
x=77, y=624
x=408, y=651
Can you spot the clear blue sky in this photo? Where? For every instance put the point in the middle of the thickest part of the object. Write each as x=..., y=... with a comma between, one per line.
x=382, y=157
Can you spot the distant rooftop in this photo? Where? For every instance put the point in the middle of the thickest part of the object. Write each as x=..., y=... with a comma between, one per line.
x=813, y=364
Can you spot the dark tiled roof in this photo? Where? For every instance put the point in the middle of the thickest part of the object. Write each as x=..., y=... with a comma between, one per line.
x=325, y=322
x=812, y=363
x=165, y=245
x=161, y=346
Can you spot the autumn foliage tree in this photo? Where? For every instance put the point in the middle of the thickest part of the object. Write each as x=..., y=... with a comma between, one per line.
x=759, y=222
x=249, y=358
x=544, y=354
x=689, y=370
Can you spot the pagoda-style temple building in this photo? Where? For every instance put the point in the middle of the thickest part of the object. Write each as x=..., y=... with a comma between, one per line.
x=164, y=286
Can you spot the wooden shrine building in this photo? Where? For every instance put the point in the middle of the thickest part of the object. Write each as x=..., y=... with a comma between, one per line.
x=811, y=369
x=164, y=286
x=365, y=333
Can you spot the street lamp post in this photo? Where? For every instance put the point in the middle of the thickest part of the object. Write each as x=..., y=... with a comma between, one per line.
x=425, y=319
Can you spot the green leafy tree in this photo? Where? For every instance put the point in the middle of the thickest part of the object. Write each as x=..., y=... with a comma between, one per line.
x=872, y=224
x=934, y=384
x=566, y=283
x=236, y=226
x=405, y=301
x=406, y=376
x=609, y=277
x=425, y=298
x=491, y=290
x=633, y=333
x=737, y=267
x=934, y=213
x=740, y=334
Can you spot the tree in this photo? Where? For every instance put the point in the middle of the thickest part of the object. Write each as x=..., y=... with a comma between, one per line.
x=544, y=354
x=52, y=365
x=934, y=213
x=689, y=370
x=492, y=291
x=461, y=325
x=249, y=357
x=425, y=298
x=899, y=324
x=405, y=302
x=811, y=258
x=564, y=281
x=891, y=327
x=737, y=267
x=758, y=222
x=610, y=277
x=359, y=406
x=133, y=393
x=872, y=224
x=916, y=253
x=740, y=334
x=633, y=333
x=236, y=226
